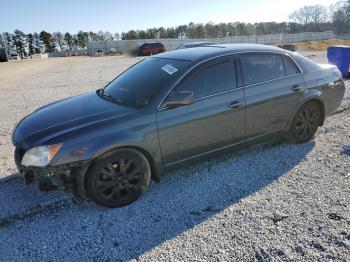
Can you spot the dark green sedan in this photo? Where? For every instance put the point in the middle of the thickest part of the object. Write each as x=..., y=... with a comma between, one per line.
x=171, y=109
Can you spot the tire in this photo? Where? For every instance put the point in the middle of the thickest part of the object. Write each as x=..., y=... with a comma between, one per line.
x=118, y=178
x=305, y=123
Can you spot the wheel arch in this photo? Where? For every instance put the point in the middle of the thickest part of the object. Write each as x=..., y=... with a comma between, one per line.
x=314, y=99
x=81, y=176
x=321, y=106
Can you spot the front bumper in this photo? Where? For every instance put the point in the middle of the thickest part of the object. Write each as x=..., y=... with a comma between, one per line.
x=68, y=177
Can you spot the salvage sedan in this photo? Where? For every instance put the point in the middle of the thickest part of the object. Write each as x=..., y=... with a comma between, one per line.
x=171, y=109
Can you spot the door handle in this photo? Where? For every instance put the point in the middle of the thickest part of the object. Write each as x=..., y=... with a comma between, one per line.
x=297, y=89
x=235, y=104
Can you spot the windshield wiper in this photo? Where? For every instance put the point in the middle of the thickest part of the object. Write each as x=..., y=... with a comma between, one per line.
x=109, y=97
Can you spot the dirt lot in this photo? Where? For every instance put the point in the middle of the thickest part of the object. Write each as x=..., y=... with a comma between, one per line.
x=282, y=202
x=321, y=45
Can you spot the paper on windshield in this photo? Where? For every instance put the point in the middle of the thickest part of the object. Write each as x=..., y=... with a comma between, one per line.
x=169, y=69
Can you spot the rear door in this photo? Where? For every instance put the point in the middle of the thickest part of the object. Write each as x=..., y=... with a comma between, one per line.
x=215, y=119
x=273, y=84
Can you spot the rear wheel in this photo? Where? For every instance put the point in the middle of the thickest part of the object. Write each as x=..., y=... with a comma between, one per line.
x=306, y=122
x=119, y=178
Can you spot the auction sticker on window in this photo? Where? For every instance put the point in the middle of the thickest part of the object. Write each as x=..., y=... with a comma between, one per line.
x=169, y=69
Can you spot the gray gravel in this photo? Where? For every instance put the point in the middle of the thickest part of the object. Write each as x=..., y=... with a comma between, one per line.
x=282, y=202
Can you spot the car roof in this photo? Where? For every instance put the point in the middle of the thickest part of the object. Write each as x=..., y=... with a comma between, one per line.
x=206, y=52
x=151, y=43
x=198, y=43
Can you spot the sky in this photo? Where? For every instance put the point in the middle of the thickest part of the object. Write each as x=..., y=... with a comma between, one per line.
x=121, y=16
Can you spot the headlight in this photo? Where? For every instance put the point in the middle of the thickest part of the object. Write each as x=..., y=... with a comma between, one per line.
x=40, y=156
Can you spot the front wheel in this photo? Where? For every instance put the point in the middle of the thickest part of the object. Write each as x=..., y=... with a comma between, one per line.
x=306, y=122
x=118, y=178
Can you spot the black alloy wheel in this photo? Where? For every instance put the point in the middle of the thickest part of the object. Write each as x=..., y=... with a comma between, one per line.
x=118, y=179
x=306, y=122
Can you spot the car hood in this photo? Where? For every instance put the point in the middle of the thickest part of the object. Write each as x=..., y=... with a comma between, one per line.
x=58, y=118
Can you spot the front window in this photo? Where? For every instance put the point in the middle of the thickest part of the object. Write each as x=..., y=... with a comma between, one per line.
x=140, y=83
x=211, y=80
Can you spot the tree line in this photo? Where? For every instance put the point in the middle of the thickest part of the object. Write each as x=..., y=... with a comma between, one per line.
x=45, y=42
x=309, y=18
x=314, y=18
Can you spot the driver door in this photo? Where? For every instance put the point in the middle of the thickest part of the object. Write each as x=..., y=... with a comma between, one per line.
x=215, y=119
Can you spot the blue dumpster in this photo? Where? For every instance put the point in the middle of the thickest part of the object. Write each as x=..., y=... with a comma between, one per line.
x=340, y=56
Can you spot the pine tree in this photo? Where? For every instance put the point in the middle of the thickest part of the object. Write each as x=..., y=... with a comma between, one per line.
x=19, y=39
x=58, y=40
x=83, y=38
x=69, y=41
x=117, y=36
x=46, y=38
x=31, y=47
x=8, y=43
x=2, y=42
x=38, y=45
x=75, y=42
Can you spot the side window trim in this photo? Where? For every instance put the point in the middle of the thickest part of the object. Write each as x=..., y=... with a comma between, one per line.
x=238, y=70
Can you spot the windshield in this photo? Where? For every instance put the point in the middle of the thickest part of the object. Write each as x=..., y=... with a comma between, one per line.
x=140, y=83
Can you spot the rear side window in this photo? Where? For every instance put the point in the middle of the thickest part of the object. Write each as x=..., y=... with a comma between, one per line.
x=306, y=64
x=261, y=67
x=211, y=80
x=290, y=67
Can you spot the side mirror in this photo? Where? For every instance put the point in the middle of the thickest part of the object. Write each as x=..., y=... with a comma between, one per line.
x=177, y=99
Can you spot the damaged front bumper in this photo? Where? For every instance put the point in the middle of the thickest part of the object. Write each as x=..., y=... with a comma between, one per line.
x=68, y=177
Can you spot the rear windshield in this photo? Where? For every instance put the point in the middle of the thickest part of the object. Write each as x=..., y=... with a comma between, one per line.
x=140, y=83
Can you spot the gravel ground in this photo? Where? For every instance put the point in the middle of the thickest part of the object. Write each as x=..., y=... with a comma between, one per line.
x=282, y=202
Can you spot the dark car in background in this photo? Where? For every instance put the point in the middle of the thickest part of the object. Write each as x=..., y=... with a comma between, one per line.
x=151, y=49
x=194, y=44
x=3, y=55
x=171, y=109
x=288, y=47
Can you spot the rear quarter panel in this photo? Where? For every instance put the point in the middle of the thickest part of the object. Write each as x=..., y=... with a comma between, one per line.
x=327, y=85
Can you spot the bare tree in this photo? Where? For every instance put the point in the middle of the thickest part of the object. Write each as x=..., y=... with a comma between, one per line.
x=302, y=15
x=318, y=14
x=340, y=15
